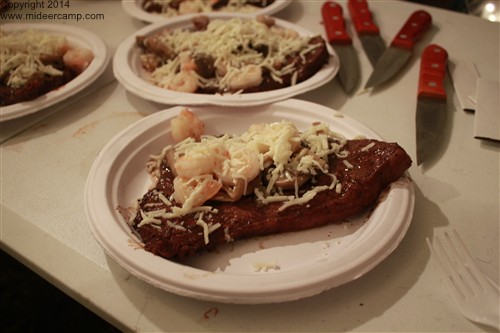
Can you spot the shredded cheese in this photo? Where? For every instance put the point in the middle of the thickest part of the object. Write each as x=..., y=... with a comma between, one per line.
x=207, y=228
x=368, y=146
x=305, y=198
x=164, y=199
x=227, y=236
x=151, y=217
x=232, y=45
x=348, y=164
x=276, y=147
x=176, y=226
x=22, y=52
x=197, y=6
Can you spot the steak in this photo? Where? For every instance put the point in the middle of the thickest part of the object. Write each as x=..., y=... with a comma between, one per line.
x=369, y=168
x=311, y=64
x=38, y=85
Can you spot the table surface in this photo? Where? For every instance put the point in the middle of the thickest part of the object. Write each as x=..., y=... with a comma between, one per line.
x=46, y=157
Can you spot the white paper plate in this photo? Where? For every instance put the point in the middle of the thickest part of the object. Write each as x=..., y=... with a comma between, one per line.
x=128, y=71
x=77, y=37
x=134, y=9
x=309, y=261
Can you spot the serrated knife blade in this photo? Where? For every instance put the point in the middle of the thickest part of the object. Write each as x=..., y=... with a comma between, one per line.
x=341, y=42
x=401, y=48
x=431, y=110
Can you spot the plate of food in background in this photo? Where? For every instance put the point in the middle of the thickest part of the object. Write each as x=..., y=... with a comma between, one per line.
x=160, y=10
x=43, y=64
x=226, y=61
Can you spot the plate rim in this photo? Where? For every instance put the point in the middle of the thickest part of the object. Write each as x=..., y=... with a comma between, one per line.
x=136, y=85
x=73, y=87
x=196, y=283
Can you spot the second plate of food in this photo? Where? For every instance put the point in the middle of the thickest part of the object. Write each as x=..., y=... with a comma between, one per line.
x=37, y=37
x=157, y=11
x=223, y=60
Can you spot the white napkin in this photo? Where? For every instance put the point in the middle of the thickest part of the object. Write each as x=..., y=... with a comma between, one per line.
x=479, y=95
x=487, y=116
x=465, y=76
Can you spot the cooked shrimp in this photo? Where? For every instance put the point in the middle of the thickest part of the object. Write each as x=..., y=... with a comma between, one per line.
x=78, y=59
x=193, y=165
x=267, y=20
x=243, y=163
x=186, y=61
x=193, y=192
x=184, y=81
x=285, y=33
x=187, y=125
x=249, y=76
x=220, y=68
x=62, y=46
x=189, y=66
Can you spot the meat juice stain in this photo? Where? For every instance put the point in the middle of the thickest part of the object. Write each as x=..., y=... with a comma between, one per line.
x=211, y=313
x=85, y=129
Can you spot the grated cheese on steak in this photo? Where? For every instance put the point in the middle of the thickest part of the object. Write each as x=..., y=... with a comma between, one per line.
x=231, y=56
x=170, y=8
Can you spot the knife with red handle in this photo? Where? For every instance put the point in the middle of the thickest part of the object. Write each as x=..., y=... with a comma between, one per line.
x=412, y=31
x=431, y=111
x=333, y=18
x=368, y=32
x=339, y=39
x=433, y=72
x=401, y=48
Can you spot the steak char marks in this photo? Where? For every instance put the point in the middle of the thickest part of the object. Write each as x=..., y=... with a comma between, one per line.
x=366, y=175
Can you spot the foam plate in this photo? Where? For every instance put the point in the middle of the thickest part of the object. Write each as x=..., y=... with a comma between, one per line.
x=305, y=263
x=129, y=73
x=134, y=9
x=76, y=37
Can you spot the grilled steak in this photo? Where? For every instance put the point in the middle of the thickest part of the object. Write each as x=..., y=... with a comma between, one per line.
x=38, y=85
x=370, y=167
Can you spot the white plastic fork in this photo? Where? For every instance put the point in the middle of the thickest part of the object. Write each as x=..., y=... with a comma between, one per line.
x=477, y=296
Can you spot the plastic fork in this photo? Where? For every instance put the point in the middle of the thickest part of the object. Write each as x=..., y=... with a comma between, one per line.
x=476, y=295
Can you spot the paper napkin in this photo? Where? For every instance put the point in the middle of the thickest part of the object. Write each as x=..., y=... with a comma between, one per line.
x=487, y=116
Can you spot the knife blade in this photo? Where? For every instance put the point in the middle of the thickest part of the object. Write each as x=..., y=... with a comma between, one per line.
x=367, y=30
x=341, y=42
x=431, y=112
x=401, y=48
